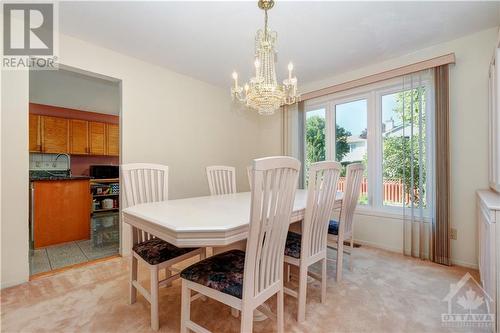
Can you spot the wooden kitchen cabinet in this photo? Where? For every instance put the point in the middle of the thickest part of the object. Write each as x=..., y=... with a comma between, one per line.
x=79, y=137
x=112, y=139
x=61, y=211
x=97, y=138
x=35, y=140
x=48, y=134
x=55, y=135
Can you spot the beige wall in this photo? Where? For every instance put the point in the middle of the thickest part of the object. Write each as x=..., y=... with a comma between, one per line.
x=468, y=127
x=166, y=118
x=75, y=91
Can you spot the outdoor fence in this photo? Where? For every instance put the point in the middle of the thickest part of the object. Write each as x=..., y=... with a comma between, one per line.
x=393, y=190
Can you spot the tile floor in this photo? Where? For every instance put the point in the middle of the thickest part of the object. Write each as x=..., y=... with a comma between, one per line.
x=67, y=254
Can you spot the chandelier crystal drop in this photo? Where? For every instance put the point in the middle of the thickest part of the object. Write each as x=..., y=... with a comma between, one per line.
x=262, y=92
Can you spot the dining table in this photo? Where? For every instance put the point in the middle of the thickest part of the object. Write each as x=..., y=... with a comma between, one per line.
x=208, y=221
x=220, y=222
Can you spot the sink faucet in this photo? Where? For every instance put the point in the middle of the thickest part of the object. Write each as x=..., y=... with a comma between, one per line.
x=68, y=161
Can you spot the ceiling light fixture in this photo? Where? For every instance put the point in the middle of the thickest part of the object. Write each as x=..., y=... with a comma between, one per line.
x=263, y=93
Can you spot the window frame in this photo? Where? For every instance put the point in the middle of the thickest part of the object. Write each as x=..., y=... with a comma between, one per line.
x=373, y=94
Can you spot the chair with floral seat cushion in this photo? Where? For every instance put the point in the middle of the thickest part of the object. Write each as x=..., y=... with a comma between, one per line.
x=309, y=247
x=343, y=229
x=245, y=280
x=143, y=183
x=223, y=272
x=155, y=251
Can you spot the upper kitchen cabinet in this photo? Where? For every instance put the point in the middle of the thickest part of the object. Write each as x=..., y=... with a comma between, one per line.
x=79, y=137
x=57, y=130
x=55, y=135
x=97, y=138
x=35, y=140
x=113, y=139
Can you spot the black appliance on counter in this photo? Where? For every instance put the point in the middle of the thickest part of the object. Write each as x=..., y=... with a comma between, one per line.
x=104, y=171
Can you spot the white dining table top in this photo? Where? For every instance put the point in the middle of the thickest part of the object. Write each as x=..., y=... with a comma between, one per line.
x=203, y=221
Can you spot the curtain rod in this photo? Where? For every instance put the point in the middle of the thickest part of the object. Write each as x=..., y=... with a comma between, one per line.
x=386, y=75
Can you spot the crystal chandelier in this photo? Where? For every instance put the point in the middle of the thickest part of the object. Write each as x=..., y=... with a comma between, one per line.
x=263, y=93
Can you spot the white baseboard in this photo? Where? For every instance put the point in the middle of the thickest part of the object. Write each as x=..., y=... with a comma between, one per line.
x=461, y=263
x=378, y=246
x=454, y=262
x=9, y=284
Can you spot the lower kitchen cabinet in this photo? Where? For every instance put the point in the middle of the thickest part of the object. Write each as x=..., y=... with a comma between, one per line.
x=61, y=211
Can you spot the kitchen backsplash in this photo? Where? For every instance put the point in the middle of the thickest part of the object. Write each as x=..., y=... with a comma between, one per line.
x=40, y=161
x=79, y=163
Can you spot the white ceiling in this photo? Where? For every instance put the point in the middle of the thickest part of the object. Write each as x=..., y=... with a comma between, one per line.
x=208, y=40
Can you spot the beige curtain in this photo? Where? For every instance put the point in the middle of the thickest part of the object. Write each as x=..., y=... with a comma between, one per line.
x=416, y=143
x=440, y=248
x=292, y=138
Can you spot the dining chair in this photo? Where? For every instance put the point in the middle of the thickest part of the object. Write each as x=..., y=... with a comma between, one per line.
x=221, y=179
x=343, y=229
x=245, y=280
x=309, y=247
x=144, y=183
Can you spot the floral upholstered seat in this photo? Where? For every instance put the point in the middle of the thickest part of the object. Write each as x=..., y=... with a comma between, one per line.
x=292, y=246
x=222, y=272
x=156, y=251
x=333, y=227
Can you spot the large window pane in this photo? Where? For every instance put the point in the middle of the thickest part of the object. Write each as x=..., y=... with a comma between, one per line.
x=351, y=139
x=403, y=147
x=315, y=138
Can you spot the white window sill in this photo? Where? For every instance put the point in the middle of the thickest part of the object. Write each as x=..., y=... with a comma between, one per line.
x=396, y=214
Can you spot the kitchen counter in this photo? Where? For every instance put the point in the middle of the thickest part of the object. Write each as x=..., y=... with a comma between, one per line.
x=40, y=178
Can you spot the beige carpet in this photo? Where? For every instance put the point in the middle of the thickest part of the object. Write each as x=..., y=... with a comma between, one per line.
x=385, y=292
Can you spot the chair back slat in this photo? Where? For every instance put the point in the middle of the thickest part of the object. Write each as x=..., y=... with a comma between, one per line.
x=249, y=175
x=321, y=194
x=354, y=177
x=274, y=182
x=221, y=179
x=143, y=183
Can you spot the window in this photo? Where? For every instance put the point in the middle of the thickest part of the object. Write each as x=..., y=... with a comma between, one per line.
x=403, y=147
x=384, y=126
x=315, y=136
x=351, y=128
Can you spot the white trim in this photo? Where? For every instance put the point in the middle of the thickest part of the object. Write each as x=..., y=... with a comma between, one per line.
x=372, y=212
x=379, y=246
x=466, y=264
x=454, y=262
